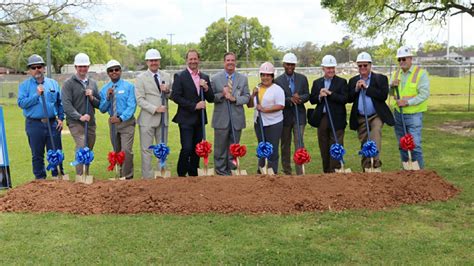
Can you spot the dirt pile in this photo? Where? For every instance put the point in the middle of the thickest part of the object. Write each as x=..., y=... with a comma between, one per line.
x=235, y=194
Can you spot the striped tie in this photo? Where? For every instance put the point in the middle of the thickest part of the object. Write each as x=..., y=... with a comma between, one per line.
x=229, y=83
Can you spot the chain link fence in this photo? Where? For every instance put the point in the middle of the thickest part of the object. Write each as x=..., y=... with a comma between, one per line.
x=450, y=85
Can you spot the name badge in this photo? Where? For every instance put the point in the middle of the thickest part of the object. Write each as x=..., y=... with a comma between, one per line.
x=121, y=92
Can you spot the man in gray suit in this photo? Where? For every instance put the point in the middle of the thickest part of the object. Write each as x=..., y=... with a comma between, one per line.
x=230, y=88
x=150, y=86
x=296, y=90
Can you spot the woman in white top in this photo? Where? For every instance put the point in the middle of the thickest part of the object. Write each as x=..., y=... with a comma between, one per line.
x=271, y=104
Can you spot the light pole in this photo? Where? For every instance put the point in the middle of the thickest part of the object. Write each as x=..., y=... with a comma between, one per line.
x=171, y=47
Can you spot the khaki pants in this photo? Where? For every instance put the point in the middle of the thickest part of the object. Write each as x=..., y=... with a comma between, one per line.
x=148, y=136
x=286, y=155
x=77, y=132
x=326, y=139
x=124, y=136
x=375, y=127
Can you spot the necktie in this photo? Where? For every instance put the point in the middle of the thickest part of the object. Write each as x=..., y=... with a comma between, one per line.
x=114, y=102
x=157, y=82
x=229, y=83
x=292, y=85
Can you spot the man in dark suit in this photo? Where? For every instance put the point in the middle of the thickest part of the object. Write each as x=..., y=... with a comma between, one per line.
x=375, y=87
x=335, y=89
x=186, y=93
x=295, y=86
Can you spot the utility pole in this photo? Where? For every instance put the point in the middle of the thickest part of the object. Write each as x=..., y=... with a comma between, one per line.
x=226, y=28
x=246, y=36
x=171, y=47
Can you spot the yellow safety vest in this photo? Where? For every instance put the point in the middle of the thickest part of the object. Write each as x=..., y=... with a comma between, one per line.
x=410, y=90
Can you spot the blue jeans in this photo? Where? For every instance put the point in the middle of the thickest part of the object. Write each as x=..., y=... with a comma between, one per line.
x=414, y=124
x=38, y=138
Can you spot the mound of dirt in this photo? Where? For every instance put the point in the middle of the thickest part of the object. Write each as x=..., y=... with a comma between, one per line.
x=234, y=194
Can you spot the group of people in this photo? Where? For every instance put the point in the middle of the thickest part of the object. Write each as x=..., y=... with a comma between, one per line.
x=279, y=104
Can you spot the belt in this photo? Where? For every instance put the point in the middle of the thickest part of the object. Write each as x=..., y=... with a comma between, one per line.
x=362, y=115
x=44, y=120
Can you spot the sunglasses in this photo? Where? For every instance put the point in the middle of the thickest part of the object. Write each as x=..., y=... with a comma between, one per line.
x=117, y=69
x=363, y=65
x=36, y=67
x=402, y=59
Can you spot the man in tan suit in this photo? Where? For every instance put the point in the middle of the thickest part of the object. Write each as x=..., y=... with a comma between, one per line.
x=149, y=88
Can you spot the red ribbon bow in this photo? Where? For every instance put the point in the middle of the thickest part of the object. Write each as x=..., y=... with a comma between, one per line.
x=301, y=156
x=203, y=149
x=407, y=142
x=115, y=158
x=238, y=150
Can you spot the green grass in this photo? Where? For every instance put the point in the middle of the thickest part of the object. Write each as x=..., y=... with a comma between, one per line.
x=434, y=233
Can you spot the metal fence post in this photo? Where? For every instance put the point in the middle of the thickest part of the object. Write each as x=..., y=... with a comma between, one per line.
x=469, y=96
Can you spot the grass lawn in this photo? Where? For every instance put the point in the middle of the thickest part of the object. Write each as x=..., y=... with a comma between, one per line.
x=434, y=233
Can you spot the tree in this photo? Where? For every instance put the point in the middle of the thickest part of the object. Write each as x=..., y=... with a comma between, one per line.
x=17, y=19
x=257, y=40
x=371, y=18
x=307, y=54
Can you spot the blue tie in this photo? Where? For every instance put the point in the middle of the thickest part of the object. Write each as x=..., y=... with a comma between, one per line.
x=292, y=85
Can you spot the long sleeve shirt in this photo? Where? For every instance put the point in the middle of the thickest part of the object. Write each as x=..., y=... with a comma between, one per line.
x=423, y=86
x=32, y=103
x=124, y=94
x=369, y=105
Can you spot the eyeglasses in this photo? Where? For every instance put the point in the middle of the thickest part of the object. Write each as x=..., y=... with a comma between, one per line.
x=363, y=65
x=36, y=67
x=110, y=70
x=402, y=59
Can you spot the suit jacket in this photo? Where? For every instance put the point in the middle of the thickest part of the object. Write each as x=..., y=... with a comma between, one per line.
x=240, y=90
x=337, y=101
x=378, y=91
x=149, y=98
x=185, y=95
x=302, y=88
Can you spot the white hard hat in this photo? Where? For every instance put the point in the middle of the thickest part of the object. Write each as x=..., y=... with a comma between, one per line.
x=35, y=60
x=266, y=68
x=289, y=58
x=112, y=63
x=329, y=61
x=152, y=54
x=364, y=57
x=82, y=59
x=404, y=51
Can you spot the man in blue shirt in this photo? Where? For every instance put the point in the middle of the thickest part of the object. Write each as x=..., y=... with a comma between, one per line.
x=118, y=99
x=36, y=125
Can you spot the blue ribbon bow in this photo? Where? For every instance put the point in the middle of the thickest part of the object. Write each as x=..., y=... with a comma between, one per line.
x=83, y=156
x=161, y=152
x=264, y=149
x=54, y=158
x=369, y=149
x=337, y=152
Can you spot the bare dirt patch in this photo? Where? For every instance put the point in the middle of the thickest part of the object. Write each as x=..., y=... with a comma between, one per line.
x=462, y=128
x=254, y=194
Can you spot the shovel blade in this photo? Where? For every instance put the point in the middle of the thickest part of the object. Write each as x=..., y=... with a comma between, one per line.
x=411, y=166
x=66, y=177
x=237, y=172
x=88, y=179
x=163, y=174
x=267, y=171
x=343, y=170
x=205, y=172
x=372, y=170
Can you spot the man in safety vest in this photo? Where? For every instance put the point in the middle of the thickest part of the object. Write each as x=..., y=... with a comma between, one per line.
x=414, y=89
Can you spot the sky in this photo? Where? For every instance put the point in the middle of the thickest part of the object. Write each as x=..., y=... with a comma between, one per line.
x=291, y=22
